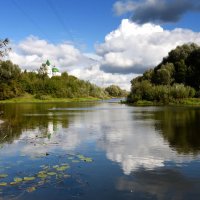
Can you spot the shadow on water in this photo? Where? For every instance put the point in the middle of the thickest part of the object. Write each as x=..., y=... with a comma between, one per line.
x=180, y=127
x=17, y=118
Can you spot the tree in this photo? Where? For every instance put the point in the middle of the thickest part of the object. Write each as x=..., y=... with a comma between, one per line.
x=180, y=53
x=3, y=47
x=9, y=80
x=180, y=71
x=9, y=71
x=164, y=75
x=175, y=78
x=193, y=72
x=115, y=91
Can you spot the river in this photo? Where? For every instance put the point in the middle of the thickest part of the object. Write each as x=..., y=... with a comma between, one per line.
x=99, y=150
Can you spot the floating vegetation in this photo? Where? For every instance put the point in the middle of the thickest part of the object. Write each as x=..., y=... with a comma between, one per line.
x=62, y=168
x=3, y=184
x=53, y=173
x=13, y=183
x=3, y=175
x=31, y=189
x=41, y=175
x=83, y=158
x=29, y=178
x=18, y=180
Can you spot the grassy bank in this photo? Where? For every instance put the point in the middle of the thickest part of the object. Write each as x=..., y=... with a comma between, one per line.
x=46, y=99
x=187, y=102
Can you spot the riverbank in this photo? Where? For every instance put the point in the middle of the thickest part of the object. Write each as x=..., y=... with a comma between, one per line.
x=46, y=99
x=187, y=102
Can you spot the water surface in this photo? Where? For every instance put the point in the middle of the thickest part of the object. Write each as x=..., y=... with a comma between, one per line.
x=99, y=150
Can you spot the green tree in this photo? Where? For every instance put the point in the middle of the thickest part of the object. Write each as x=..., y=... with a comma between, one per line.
x=180, y=71
x=9, y=71
x=4, y=47
x=193, y=72
x=164, y=75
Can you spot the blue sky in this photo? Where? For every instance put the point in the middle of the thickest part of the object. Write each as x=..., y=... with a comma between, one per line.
x=125, y=37
x=81, y=21
x=84, y=22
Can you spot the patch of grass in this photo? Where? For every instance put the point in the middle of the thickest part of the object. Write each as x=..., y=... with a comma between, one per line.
x=191, y=101
x=46, y=99
x=145, y=103
x=186, y=101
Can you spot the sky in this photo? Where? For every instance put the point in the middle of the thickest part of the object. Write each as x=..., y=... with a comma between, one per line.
x=103, y=41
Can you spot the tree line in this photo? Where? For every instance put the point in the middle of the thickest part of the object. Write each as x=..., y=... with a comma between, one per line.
x=175, y=78
x=15, y=83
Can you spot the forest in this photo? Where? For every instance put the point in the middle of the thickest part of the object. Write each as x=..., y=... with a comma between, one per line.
x=177, y=77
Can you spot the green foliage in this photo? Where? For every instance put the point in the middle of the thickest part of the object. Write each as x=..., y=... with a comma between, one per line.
x=3, y=47
x=193, y=63
x=14, y=83
x=115, y=91
x=175, y=78
x=164, y=75
x=9, y=80
x=8, y=71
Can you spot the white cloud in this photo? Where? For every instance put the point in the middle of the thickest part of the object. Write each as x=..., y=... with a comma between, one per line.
x=99, y=77
x=133, y=48
x=32, y=52
x=127, y=51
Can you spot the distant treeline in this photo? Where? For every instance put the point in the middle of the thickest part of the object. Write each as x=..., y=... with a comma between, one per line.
x=175, y=78
x=14, y=83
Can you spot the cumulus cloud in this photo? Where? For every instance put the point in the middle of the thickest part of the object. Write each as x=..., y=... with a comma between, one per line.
x=126, y=52
x=156, y=10
x=32, y=52
x=95, y=75
x=133, y=48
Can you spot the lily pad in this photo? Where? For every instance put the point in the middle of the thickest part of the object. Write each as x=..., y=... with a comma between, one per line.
x=42, y=172
x=31, y=189
x=51, y=173
x=17, y=179
x=62, y=168
x=81, y=156
x=3, y=184
x=42, y=175
x=13, y=183
x=29, y=178
x=88, y=159
x=3, y=175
